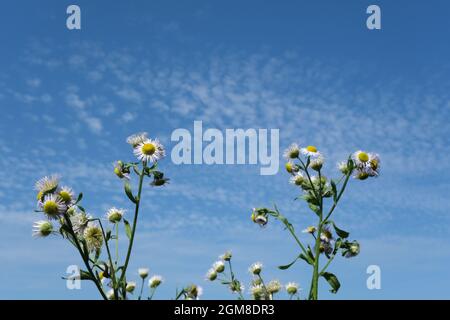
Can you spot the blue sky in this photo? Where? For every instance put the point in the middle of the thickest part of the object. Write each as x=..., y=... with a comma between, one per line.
x=310, y=68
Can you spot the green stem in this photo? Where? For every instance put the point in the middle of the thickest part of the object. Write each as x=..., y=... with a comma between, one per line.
x=233, y=279
x=142, y=289
x=117, y=244
x=85, y=259
x=152, y=294
x=338, y=197
x=133, y=230
x=291, y=230
x=266, y=293
x=113, y=273
x=327, y=264
x=314, y=292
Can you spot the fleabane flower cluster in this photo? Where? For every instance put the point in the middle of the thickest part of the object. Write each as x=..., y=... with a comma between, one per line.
x=145, y=148
x=367, y=164
x=92, y=237
x=305, y=165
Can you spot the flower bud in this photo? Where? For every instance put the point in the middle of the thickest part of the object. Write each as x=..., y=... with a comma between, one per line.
x=273, y=286
x=155, y=281
x=226, y=256
x=256, y=268
x=130, y=286
x=211, y=275
x=143, y=272
x=292, y=288
x=219, y=266
x=42, y=228
x=316, y=164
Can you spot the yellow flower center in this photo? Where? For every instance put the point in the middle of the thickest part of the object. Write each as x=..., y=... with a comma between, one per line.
x=65, y=196
x=289, y=167
x=118, y=172
x=50, y=207
x=39, y=195
x=148, y=149
x=311, y=149
x=364, y=157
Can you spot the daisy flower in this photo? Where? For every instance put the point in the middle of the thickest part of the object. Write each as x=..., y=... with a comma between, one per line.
x=149, y=150
x=93, y=236
x=119, y=170
x=257, y=291
x=211, y=275
x=52, y=206
x=317, y=163
x=226, y=256
x=143, y=272
x=136, y=139
x=326, y=235
x=236, y=286
x=297, y=179
x=256, y=268
x=219, y=266
x=259, y=219
x=110, y=295
x=291, y=167
x=326, y=247
x=199, y=292
x=273, y=286
x=67, y=195
x=343, y=167
x=155, y=281
x=114, y=215
x=373, y=165
x=292, y=152
x=361, y=174
x=292, y=288
x=80, y=221
x=310, y=229
x=360, y=158
x=42, y=228
x=310, y=151
x=353, y=250
x=130, y=286
x=193, y=292
x=46, y=185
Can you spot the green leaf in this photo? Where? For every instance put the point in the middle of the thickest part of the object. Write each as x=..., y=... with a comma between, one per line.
x=337, y=245
x=350, y=164
x=307, y=259
x=314, y=208
x=84, y=275
x=332, y=280
x=108, y=235
x=310, y=254
x=80, y=196
x=127, y=228
x=285, y=267
x=341, y=233
x=129, y=192
x=334, y=189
